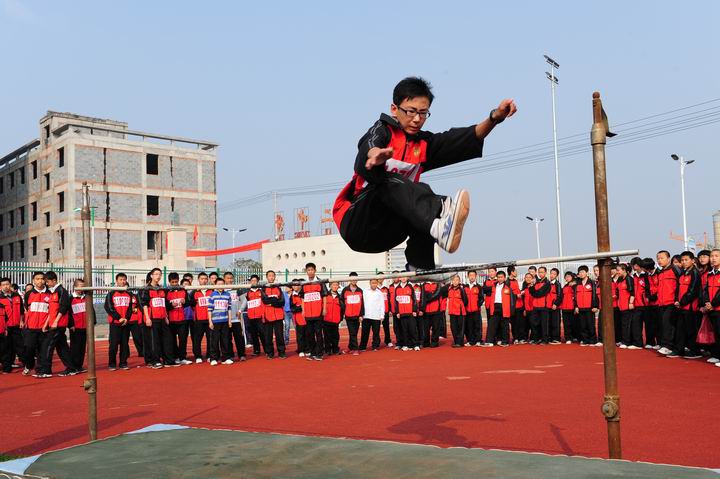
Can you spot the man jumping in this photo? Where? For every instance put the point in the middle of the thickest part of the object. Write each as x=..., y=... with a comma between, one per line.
x=384, y=203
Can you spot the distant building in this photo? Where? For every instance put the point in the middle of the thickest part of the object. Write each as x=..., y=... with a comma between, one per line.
x=142, y=186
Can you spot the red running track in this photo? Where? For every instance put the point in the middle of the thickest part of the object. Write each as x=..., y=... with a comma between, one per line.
x=529, y=398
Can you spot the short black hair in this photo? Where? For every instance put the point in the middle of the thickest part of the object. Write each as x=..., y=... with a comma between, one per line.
x=51, y=275
x=501, y=272
x=188, y=276
x=542, y=268
x=201, y=274
x=120, y=275
x=676, y=257
x=412, y=87
x=689, y=254
x=173, y=276
x=568, y=273
x=648, y=263
x=534, y=268
x=583, y=268
x=38, y=273
x=228, y=273
x=4, y=279
x=310, y=265
x=704, y=252
x=557, y=271
x=254, y=276
x=511, y=269
x=666, y=252
x=185, y=281
x=353, y=273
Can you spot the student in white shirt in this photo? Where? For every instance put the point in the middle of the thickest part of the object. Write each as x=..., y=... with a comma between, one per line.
x=374, y=301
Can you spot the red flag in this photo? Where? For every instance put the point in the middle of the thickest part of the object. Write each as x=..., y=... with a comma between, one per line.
x=195, y=236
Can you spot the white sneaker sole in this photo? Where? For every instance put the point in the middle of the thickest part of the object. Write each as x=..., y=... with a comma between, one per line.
x=462, y=210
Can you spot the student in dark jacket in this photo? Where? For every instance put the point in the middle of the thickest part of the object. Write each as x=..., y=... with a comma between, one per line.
x=406, y=308
x=711, y=302
x=333, y=311
x=58, y=321
x=688, y=296
x=354, y=311
x=586, y=305
x=625, y=291
x=542, y=303
x=457, y=309
x=667, y=282
x=554, y=300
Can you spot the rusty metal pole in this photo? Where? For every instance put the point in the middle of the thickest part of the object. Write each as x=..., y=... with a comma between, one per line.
x=611, y=404
x=90, y=383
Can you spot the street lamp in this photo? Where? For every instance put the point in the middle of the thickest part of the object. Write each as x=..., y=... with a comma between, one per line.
x=683, y=163
x=234, y=231
x=537, y=231
x=553, y=82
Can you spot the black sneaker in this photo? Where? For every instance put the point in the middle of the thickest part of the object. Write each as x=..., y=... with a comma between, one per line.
x=81, y=370
x=270, y=356
x=692, y=355
x=112, y=368
x=124, y=367
x=283, y=356
x=67, y=372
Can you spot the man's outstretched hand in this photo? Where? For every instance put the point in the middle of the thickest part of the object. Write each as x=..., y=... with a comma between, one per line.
x=378, y=156
x=505, y=109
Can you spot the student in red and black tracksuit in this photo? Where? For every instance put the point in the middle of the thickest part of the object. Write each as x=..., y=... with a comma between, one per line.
x=384, y=203
x=488, y=284
x=177, y=299
x=397, y=330
x=15, y=320
x=312, y=295
x=586, y=305
x=406, y=311
x=457, y=309
x=528, y=303
x=502, y=309
x=296, y=308
x=614, y=276
x=517, y=322
x=5, y=311
x=200, y=299
x=386, y=321
x=554, y=300
x=571, y=329
x=417, y=290
x=641, y=283
x=688, y=295
x=625, y=290
x=37, y=304
x=273, y=317
x=667, y=284
x=542, y=303
x=137, y=324
x=255, y=311
x=78, y=329
x=333, y=311
x=651, y=318
x=118, y=306
x=158, y=341
x=711, y=301
x=354, y=311
x=473, y=318
x=55, y=338
x=432, y=316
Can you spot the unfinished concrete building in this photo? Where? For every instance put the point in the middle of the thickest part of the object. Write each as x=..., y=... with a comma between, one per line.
x=142, y=186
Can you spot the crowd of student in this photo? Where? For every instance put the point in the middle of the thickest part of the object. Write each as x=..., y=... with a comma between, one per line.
x=672, y=306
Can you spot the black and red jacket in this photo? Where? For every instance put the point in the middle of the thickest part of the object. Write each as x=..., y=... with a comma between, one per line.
x=457, y=300
x=200, y=300
x=386, y=296
x=334, y=308
x=624, y=290
x=711, y=292
x=488, y=285
x=59, y=304
x=412, y=155
x=391, y=291
x=474, y=297
x=255, y=307
x=38, y=308
x=508, y=300
x=515, y=286
x=4, y=312
x=313, y=294
x=274, y=301
x=354, y=306
x=118, y=306
x=153, y=297
x=586, y=295
x=540, y=292
x=77, y=312
x=688, y=289
x=641, y=282
x=404, y=299
x=667, y=285
x=568, y=297
x=296, y=308
x=431, y=298
x=14, y=308
x=177, y=299
x=417, y=289
x=528, y=300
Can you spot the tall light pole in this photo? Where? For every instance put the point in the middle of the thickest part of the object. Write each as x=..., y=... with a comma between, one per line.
x=234, y=231
x=553, y=82
x=683, y=163
x=537, y=232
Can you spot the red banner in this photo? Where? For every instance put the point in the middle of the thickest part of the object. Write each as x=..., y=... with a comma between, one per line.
x=220, y=252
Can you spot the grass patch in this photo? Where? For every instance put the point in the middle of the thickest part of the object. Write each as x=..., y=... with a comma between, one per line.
x=5, y=457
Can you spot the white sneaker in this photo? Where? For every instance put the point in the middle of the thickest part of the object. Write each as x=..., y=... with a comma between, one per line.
x=713, y=360
x=198, y=361
x=717, y=364
x=598, y=344
x=228, y=361
x=634, y=347
x=664, y=351
x=447, y=229
x=417, y=348
x=390, y=345
x=479, y=344
x=213, y=363
x=657, y=347
x=405, y=348
x=467, y=345
x=302, y=355
x=488, y=345
x=623, y=346
x=648, y=346
x=185, y=362
x=568, y=342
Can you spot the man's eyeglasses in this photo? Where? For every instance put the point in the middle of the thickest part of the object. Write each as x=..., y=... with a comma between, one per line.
x=411, y=113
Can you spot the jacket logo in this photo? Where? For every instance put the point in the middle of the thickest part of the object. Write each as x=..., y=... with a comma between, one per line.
x=416, y=151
